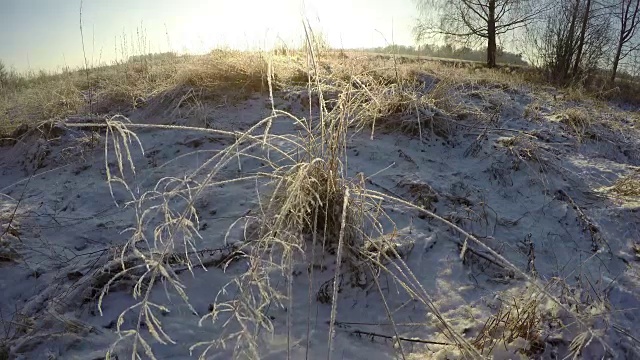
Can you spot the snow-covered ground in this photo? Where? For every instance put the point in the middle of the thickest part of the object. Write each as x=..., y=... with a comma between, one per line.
x=523, y=183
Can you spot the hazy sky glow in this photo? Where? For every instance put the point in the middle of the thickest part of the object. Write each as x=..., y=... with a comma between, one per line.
x=45, y=34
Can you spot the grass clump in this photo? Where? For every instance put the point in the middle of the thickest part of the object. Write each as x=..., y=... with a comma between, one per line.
x=518, y=318
x=223, y=71
x=47, y=98
x=579, y=121
x=533, y=112
x=222, y=75
x=7, y=253
x=627, y=185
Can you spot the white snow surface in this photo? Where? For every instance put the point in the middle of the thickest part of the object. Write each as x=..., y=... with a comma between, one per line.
x=65, y=226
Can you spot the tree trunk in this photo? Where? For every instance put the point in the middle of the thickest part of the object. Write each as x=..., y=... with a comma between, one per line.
x=583, y=34
x=616, y=61
x=568, y=43
x=491, y=32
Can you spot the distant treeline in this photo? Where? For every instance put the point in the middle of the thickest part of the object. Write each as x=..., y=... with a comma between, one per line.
x=450, y=52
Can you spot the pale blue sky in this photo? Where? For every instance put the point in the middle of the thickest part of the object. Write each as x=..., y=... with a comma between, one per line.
x=45, y=34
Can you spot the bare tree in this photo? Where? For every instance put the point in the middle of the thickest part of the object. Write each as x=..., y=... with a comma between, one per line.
x=574, y=39
x=470, y=20
x=627, y=15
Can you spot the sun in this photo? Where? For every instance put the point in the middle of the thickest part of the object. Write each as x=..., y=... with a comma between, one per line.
x=240, y=24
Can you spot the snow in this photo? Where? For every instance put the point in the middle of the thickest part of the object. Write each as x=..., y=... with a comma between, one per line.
x=512, y=189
